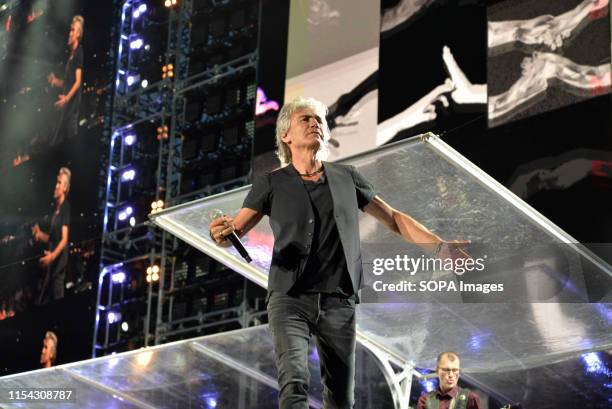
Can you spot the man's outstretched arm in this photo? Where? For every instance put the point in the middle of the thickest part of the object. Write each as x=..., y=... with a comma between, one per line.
x=413, y=231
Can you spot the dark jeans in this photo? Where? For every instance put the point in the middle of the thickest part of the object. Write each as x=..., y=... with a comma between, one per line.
x=52, y=287
x=292, y=320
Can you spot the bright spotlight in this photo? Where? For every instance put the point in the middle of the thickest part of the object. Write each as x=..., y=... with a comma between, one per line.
x=128, y=175
x=136, y=44
x=129, y=139
x=118, y=277
x=113, y=317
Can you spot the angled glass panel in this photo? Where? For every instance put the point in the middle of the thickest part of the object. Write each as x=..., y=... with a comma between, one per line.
x=549, y=279
x=227, y=370
x=83, y=396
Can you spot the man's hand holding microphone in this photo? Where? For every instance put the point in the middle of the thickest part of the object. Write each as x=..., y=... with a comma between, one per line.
x=220, y=228
x=223, y=232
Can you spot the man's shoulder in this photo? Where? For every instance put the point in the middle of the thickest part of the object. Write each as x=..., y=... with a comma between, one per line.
x=65, y=208
x=336, y=165
x=340, y=168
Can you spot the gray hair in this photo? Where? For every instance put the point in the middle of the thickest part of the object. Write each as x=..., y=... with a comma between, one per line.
x=79, y=19
x=283, y=122
x=65, y=171
x=50, y=335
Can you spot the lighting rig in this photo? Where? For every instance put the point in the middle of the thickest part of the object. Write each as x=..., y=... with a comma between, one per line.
x=181, y=126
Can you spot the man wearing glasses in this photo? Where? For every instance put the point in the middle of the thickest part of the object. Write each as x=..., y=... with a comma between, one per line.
x=448, y=395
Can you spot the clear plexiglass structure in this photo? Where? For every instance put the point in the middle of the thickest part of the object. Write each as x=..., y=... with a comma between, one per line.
x=543, y=342
x=555, y=305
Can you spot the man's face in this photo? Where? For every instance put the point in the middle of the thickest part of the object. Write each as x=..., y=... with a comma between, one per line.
x=448, y=373
x=61, y=186
x=47, y=352
x=74, y=33
x=305, y=131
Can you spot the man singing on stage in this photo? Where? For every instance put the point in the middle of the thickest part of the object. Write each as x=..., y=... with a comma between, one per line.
x=70, y=98
x=316, y=271
x=55, y=259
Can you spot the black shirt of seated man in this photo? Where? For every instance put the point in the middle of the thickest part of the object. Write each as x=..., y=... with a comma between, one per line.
x=309, y=253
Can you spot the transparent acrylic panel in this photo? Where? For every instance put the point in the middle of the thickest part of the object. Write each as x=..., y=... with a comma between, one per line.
x=179, y=376
x=548, y=278
x=228, y=370
x=85, y=396
x=252, y=348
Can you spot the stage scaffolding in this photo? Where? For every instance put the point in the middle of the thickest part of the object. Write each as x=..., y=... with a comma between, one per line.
x=185, y=76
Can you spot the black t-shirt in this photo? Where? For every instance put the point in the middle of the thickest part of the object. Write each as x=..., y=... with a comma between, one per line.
x=327, y=258
x=55, y=235
x=75, y=61
x=326, y=270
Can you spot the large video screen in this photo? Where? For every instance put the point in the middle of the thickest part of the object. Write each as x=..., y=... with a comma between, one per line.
x=545, y=55
x=332, y=55
x=54, y=65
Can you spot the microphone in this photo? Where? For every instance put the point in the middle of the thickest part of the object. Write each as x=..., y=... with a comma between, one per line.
x=234, y=239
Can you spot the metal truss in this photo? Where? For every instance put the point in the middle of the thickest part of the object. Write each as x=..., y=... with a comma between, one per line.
x=163, y=103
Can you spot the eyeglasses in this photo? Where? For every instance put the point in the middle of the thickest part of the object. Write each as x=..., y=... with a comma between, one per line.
x=449, y=370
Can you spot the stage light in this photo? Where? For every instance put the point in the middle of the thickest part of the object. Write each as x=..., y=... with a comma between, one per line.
x=170, y=3
x=125, y=326
x=211, y=402
x=153, y=273
x=113, y=317
x=162, y=132
x=144, y=358
x=167, y=71
x=132, y=79
x=428, y=384
x=128, y=175
x=118, y=277
x=136, y=44
x=125, y=213
x=157, y=206
x=594, y=364
x=144, y=83
x=129, y=139
x=132, y=221
x=140, y=10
